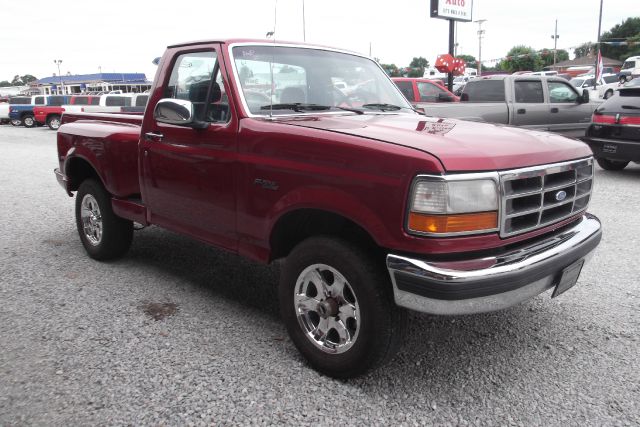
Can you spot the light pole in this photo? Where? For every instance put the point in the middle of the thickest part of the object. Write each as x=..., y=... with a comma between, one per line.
x=480, y=34
x=304, y=29
x=58, y=62
x=598, y=55
x=555, y=38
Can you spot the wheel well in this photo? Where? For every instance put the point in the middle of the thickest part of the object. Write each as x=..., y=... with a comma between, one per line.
x=79, y=170
x=294, y=227
x=25, y=114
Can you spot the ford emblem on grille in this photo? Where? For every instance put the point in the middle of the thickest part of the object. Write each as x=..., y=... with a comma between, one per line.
x=561, y=195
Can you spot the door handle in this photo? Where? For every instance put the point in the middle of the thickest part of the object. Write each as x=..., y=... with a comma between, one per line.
x=554, y=110
x=151, y=136
x=521, y=111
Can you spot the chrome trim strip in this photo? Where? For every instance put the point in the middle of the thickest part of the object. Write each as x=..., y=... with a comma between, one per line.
x=236, y=76
x=499, y=267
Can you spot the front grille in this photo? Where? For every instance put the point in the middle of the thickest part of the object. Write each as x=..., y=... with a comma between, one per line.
x=539, y=196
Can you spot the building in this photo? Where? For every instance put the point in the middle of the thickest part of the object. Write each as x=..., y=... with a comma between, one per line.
x=585, y=61
x=99, y=82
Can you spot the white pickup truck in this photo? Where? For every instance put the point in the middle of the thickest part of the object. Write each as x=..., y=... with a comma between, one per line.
x=533, y=102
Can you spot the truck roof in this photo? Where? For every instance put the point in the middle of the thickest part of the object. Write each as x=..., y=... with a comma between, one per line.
x=260, y=41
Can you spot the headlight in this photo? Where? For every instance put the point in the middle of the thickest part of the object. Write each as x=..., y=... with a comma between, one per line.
x=452, y=205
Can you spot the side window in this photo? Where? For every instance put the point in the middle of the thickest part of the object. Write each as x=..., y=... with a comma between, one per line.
x=39, y=100
x=407, y=90
x=118, y=101
x=141, y=100
x=428, y=92
x=560, y=92
x=193, y=79
x=484, y=91
x=529, y=92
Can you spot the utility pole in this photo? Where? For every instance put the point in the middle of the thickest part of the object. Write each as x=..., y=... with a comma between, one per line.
x=480, y=35
x=304, y=29
x=58, y=62
x=555, y=38
x=598, y=56
x=455, y=45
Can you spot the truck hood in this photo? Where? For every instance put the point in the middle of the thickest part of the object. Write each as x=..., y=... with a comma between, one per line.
x=460, y=145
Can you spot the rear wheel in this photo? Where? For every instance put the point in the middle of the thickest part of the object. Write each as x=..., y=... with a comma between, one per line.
x=612, y=165
x=53, y=122
x=104, y=235
x=623, y=79
x=337, y=304
x=16, y=122
x=28, y=121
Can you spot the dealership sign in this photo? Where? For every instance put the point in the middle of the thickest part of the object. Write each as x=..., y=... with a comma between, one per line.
x=458, y=10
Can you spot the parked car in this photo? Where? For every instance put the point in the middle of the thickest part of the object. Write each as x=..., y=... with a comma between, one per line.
x=23, y=113
x=592, y=71
x=460, y=81
x=605, y=87
x=373, y=208
x=614, y=133
x=420, y=91
x=534, y=102
x=628, y=66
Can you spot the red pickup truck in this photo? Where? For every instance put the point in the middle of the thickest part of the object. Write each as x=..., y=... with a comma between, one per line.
x=247, y=145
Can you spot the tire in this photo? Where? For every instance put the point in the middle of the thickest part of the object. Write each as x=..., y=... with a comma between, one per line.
x=16, y=122
x=53, y=122
x=361, y=325
x=623, y=79
x=28, y=121
x=608, y=94
x=612, y=165
x=103, y=234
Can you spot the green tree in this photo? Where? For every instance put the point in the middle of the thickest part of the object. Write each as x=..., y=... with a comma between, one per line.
x=5, y=83
x=585, y=49
x=16, y=81
x=391, y=69
x=628, y=29
x=417, y=66
x=521, y=58
x=470, y=60
x=28, y=78
x=546, y=55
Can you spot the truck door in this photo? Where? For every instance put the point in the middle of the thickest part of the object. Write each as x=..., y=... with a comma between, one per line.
x=188, y=173
x=529, y=108
x=569, y=115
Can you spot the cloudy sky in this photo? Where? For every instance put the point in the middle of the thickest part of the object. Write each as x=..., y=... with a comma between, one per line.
x=124, y=36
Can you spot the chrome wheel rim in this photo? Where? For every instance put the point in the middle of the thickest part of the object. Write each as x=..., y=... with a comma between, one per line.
x=28, y=121
x=55, y=123
x=91, y=219
x=327, y=308
x=16, y=122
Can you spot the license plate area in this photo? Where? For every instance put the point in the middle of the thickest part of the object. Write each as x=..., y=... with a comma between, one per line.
x=568, y=278
x=610, y=148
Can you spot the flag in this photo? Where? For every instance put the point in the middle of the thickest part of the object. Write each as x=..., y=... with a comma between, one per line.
x=599, y=67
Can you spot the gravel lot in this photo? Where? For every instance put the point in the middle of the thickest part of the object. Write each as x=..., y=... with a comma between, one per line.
x=79, y=344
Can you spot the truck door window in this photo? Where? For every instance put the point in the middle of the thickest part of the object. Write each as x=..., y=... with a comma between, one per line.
x=484, y=91
x=428, y=92
x=529, y=92
x=560, y=92
x=191, y=80
x=118, y=101
x=39, y=100
x=407, y=90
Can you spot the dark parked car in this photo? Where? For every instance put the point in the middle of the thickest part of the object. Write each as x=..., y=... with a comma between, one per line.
x=614, y=133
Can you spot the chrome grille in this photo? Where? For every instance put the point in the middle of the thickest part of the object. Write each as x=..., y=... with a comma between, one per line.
x=538, y=196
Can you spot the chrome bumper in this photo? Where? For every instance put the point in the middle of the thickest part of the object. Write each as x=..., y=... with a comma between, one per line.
x=494, y=282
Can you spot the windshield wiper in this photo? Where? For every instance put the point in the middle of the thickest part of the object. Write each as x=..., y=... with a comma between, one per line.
x=382, y=107
x=630, y=107
x=299, y=107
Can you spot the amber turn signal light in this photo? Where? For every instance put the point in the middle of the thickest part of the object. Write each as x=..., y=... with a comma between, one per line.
x=458, y=223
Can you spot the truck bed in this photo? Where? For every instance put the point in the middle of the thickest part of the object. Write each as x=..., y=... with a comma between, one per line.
x=107, y=140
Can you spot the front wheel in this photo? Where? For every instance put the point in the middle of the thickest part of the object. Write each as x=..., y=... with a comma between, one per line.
x=337, y=304
x=623, y=79
x=53, y=122
x=28, y=121
x=612, y=165
x=104, y=235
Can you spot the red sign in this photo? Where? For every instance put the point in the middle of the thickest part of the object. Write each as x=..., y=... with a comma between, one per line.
x=444, y=63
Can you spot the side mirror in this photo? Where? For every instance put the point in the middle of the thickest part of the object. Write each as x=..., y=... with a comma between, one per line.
x=175, y=112
x=585, y=97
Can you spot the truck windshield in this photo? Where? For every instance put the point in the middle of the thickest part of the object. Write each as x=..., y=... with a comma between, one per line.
x=276, y=78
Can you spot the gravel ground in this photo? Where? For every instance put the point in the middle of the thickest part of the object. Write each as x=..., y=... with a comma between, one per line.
x=79, y=343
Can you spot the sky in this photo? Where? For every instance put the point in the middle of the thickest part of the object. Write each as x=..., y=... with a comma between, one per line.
x=125, y=36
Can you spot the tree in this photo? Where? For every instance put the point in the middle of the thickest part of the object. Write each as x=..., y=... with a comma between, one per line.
x=16, y=81
x=628, y=29
x=521, y=58
x=5, y=83
x=391, y=69
x=419, y=62
x=470, y=60
x=585, y=49
x=546, y=55
x=28, y=78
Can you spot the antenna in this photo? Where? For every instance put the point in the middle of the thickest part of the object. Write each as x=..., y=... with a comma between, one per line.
x=275, y=23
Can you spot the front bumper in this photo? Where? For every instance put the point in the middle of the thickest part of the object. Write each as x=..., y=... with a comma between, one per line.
x=494, y=282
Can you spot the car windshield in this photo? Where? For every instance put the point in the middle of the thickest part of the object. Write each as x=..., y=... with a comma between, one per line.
x=628, y=64
x=576, y=82
x=285, y=80
x=458, y=80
